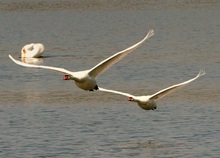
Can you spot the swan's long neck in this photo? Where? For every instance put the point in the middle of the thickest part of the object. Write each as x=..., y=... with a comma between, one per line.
x=71, y=78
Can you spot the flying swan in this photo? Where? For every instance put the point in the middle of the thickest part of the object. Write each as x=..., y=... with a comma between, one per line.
x=86, y=79
x=148, y=102
x=33, y=50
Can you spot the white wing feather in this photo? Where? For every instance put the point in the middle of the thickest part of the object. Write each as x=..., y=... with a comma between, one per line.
x=41, y=66
x=170, y=89
x=107, y=63
x=115, y=92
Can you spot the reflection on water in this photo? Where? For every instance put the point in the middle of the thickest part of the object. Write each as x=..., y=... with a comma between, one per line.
x=35, y=61
x=43, y=116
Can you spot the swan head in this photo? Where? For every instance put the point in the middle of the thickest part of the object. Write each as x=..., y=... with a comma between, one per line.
x=28, y=47
x=23, y=52
x=130, y=99
x=67, y=77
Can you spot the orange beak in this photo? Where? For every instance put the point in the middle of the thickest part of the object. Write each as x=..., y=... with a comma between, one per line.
x=130, y=98
x=65, y=77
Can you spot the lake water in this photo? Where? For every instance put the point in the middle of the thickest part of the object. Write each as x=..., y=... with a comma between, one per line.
x=43, y=116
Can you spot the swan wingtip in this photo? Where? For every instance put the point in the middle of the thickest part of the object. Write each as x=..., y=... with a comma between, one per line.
x=202, y=72
x=151, y=31
x=10, y=56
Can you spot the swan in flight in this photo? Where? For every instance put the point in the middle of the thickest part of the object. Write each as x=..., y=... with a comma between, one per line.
x=33, y=50
x=86, y=79
x=148, y=102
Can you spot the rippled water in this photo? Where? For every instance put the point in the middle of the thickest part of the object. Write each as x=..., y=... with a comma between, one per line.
x=43, y=116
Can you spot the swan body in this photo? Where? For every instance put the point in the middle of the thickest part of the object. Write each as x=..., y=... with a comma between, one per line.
x=86, y=80
x=33, y=50
x=148, y=102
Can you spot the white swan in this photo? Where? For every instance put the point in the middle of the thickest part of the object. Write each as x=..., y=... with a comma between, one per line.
x=148, y=102
x=86, y=80
x=33, y=50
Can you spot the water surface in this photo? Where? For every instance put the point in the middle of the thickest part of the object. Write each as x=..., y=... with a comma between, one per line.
x=43, y=116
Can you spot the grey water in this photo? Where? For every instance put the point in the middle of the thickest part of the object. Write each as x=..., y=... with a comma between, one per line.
x=43, y=116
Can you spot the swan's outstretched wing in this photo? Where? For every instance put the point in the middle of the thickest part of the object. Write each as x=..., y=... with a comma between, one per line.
x=107, y=63
x=41, y=66
x=115, y=92
x=170, y=89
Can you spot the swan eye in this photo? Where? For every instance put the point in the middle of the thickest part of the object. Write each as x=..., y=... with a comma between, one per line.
x=130, y=98
x=65, y=77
